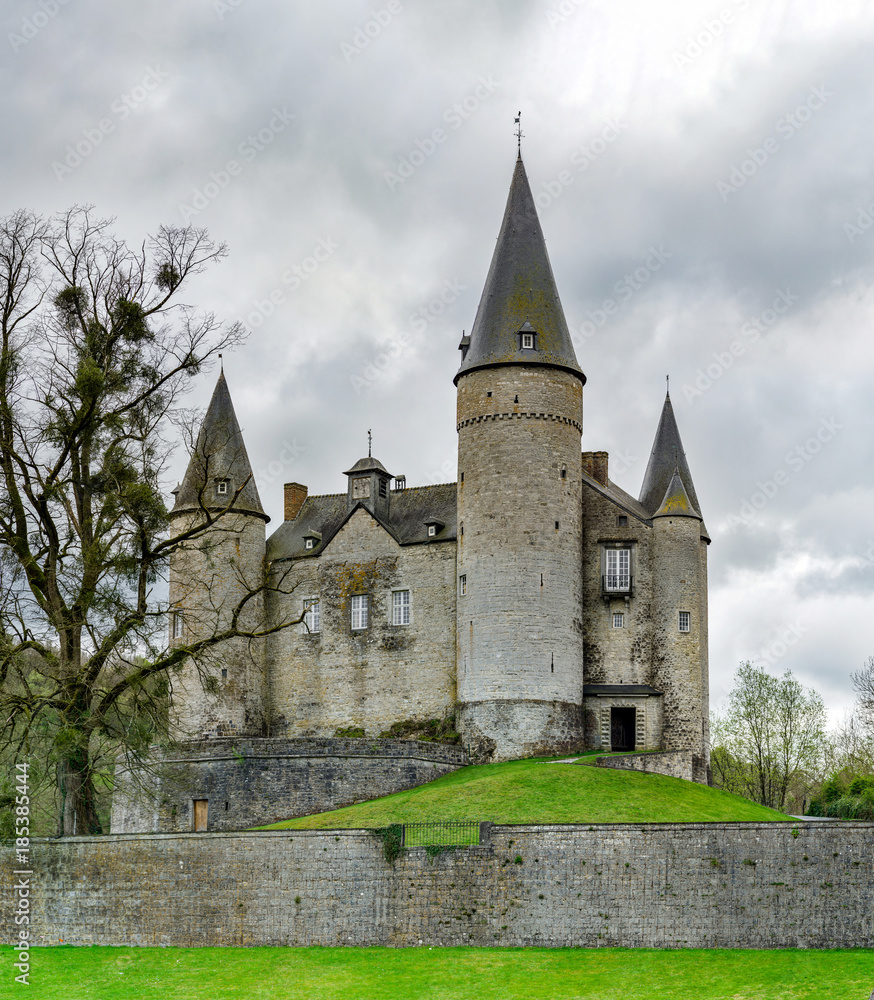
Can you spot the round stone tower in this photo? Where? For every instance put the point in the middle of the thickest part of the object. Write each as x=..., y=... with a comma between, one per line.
x=216, y=575
x=520, y=389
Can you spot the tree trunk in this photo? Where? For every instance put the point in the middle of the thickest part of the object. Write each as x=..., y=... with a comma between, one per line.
x=78, y=814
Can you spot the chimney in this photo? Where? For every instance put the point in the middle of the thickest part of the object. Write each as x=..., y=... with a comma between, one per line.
x=588, y=463
x=599, y=465
x=295, y=494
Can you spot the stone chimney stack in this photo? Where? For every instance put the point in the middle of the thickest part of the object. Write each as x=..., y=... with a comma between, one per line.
x=295, y=494
x=599, y=466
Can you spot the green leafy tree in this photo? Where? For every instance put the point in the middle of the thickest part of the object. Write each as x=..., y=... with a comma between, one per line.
x=96, y=352
x=770, y=745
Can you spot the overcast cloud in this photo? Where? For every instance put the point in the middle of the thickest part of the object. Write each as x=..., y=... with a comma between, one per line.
x=706, y=167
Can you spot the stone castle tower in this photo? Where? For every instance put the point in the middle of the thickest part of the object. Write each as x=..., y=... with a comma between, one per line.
x=520, y=417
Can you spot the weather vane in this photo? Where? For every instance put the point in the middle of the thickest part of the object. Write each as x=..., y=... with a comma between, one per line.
x=519, y=133
x=369, y=443
x=668, y=381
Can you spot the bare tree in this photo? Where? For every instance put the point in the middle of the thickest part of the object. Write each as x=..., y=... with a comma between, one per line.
x=772, y=739
x=97, y=350
x=863, y=683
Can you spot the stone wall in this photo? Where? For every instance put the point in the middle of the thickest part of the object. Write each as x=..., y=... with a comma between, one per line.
x=674, y=763
x=252, y=782
x=738, y=885
x=385, y=673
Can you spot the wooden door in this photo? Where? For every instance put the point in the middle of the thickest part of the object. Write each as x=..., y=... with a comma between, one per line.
x=201, y=814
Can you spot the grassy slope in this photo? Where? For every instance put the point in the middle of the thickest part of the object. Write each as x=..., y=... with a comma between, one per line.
x=537, y=791
x=438, y=974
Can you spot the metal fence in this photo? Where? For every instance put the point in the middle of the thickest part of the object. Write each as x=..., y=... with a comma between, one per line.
x=450, y=833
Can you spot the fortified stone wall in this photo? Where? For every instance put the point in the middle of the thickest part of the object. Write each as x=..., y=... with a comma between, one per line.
x=674, y=763
x=653, y=886
x=372, y=677
x=254, y=782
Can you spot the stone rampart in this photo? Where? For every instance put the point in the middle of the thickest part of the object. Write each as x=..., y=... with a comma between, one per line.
x=252, y=782
x=674, y=763
x=735, y=885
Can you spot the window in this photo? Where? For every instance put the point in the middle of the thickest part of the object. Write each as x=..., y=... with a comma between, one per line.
x=462, y=584
x=527, y=341
x=622, y=520
x=685, y=621
x=383, y=487
x=313, y=614
x=400, y=607
x=618, y=577
x=432, y=530
x=618, y=619
x=221, y=487
x=359, y=611
x=309, y=543
x=177, y=625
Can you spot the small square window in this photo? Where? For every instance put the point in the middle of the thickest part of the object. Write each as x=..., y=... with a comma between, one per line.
x=622, y=520
x=400, y=607
x=312, y=619
x=685, y=621
x=432, y=530
x=618, y=619
x=462, y=584
x=309, y=543
x=527, y=341
x=359, y=611
x=221, y=487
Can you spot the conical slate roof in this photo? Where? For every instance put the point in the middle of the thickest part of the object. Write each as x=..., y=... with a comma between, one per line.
x=520, y=288
x=220, y=454
x=666, y=458
x=676, y=502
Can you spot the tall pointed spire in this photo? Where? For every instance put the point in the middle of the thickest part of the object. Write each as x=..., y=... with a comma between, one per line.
x=519, y=296
x=666, y=460
x=219, y=465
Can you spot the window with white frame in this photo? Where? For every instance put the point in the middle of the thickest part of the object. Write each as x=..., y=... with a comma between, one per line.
x=462, y=584
x=312, y=618
x=400, y=607
x=432, y=530
x=177, y=625
x=221, y=487
x=685, y=621
x=618, y=570
x=527, y=341
x=618, y=619
x=359, y=611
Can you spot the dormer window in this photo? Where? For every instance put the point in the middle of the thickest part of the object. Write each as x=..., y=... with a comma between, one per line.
x=434, y=527
x=527, y=338
x=221, y=487
x=311, y=539
x=310, y=542
x=432, y=530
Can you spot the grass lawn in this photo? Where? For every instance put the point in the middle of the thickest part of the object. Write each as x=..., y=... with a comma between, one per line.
x=541, y=791
x=64, y=973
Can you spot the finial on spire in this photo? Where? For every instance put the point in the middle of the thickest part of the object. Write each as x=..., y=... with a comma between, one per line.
x=221, y=364
x=668, y=383
x=519, y=134
x=369, y=443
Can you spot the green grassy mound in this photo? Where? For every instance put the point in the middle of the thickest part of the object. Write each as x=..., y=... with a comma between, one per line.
x=543, y=791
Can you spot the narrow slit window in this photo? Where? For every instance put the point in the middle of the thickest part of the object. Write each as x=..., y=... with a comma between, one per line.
x=462, y=584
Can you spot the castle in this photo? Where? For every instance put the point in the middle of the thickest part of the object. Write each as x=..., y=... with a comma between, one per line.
x=544, y=606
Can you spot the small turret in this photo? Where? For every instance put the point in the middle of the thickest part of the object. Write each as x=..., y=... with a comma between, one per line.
x=221, y=691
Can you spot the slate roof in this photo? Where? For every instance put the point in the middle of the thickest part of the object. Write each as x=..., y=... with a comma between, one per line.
x=520, y=288
x=409, y=511
x=667, y=455
x=219, y=453
x=676, y=502
x=618, y=496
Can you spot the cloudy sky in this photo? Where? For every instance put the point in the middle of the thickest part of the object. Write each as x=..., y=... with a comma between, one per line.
x=707, y=168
